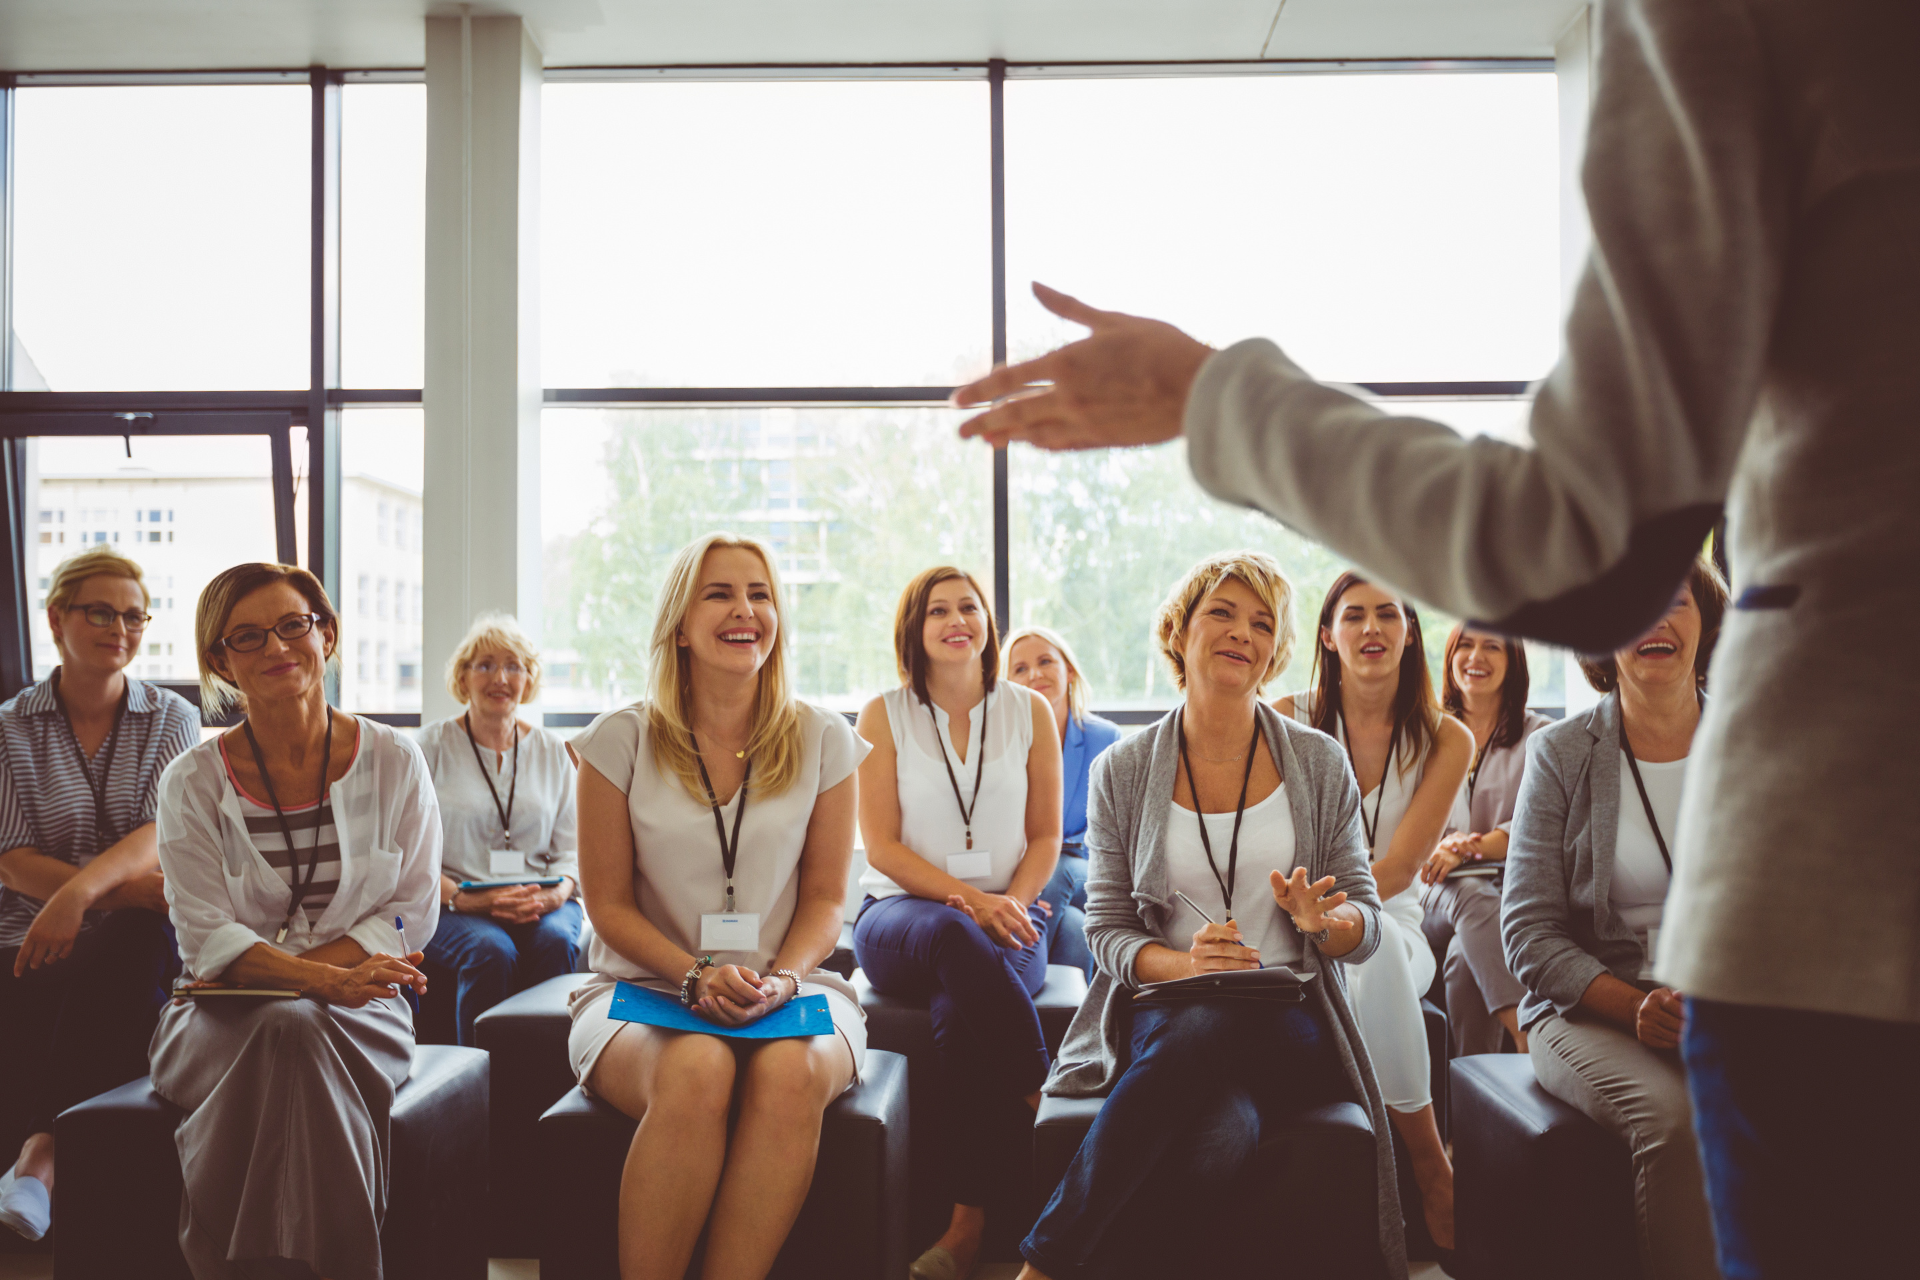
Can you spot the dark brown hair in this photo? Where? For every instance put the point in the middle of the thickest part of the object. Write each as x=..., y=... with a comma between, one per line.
x=1416, y=713
x=910, y=621
x=1513, y=690
x=1709, y=596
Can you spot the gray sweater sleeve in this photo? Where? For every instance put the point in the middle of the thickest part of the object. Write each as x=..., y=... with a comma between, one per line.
x=1114, y=933
x=1536, y=904
x=1580, y=538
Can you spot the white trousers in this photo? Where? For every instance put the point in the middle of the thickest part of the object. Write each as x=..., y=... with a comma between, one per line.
x=1385, y=994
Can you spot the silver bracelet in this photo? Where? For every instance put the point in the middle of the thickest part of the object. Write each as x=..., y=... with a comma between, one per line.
x=788, y=973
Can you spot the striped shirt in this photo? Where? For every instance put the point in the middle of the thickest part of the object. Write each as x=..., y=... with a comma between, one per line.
x=270, y=841
x=47, y=801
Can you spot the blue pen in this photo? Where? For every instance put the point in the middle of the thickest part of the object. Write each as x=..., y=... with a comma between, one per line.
x=401, y=926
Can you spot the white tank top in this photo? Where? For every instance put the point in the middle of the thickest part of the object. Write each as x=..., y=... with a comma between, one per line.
x=930, y=822
x=1389, y=801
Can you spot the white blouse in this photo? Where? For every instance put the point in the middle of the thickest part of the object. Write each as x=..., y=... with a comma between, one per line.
x=930, y=821
x=1266, y=845
x=678, y=872
x=1638, y=886
x=545, y=826
x=224, y=897
x=1383, y=808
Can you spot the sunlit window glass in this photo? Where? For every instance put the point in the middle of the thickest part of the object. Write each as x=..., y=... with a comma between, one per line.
x=183, y=508
x=383, y=184
x=1381, y=228
x=765, y=234
x=851, y=502
x=161, y=238
x=382, y=470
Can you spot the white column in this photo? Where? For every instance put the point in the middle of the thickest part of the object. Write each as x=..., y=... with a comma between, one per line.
x=482, y=401
x=1573, y=65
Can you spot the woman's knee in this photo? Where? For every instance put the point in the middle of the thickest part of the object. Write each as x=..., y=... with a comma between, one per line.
x=787, y=1077
x=693, y=1076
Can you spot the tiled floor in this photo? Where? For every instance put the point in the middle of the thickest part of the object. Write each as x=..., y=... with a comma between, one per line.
x=41, y=1268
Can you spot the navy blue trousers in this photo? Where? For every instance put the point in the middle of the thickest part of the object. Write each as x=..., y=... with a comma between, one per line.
x=1809, y=1128
x=986, y=1031
x=491, y=961
x=75, y=1029
x=1066, y=928
x=1169, y=1148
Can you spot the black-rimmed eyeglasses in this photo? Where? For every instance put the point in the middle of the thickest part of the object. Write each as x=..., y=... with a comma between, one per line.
x=103, y=616
x=249, y=639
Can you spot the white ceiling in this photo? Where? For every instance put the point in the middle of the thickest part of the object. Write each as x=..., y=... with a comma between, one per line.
x=141, y=35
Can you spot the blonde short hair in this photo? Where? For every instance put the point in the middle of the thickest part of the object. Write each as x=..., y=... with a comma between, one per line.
x=1076, y=683
x=1262, y=575
x=96, y=562
x=493, y=633
x=776, y=742
x=217, y=603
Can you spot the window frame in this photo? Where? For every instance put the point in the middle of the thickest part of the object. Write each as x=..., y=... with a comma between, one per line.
x=317, y=408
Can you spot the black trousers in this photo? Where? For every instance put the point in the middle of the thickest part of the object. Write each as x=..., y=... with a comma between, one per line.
x=72, y=1030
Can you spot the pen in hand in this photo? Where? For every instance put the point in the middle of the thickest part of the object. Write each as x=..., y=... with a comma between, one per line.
x=1209, y=919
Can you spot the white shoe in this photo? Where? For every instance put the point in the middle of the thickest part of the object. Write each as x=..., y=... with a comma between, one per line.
x=26, y=1206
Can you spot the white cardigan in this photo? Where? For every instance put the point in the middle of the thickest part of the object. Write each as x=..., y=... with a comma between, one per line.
x=224, y=897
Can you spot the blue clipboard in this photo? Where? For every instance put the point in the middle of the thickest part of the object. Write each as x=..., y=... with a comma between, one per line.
x=801, y=1016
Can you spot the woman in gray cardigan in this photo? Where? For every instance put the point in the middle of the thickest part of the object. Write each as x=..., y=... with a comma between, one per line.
x=1223, y=795
x=1588, y=865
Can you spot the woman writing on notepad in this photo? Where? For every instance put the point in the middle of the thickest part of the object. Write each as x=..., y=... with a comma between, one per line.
x=716, y=836
x=302, y=853
x=507, y=808
x=1484, y=686
x=961, y=814
x=1227, y=806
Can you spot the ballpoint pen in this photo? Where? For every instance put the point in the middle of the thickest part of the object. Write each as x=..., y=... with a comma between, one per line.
x=1202, y=914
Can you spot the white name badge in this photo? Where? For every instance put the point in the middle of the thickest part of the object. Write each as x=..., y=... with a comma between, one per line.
x=975, y=864
x=1653, y=945
x=506, y=862
x=730, y=931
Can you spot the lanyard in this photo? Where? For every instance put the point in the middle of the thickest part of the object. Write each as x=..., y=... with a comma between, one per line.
x=102, y=824
x=1380, y=792
x=979, y=767
x=1473, y=774
x=505, y=811
x=1645, y=803
x=300, y=886
x=729, y=850
x=1206, y=843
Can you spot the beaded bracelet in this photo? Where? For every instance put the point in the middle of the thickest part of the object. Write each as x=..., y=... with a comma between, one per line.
x=693, y=976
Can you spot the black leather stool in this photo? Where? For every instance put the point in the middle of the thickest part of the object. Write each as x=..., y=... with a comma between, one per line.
x=854, y=1222
x=1322, y=1165
x=905, y=1026
x=118, y=1210
x=526, y=1036
x=1538, y=1188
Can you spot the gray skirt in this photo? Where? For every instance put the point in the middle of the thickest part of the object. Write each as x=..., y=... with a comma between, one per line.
x=285, y=1147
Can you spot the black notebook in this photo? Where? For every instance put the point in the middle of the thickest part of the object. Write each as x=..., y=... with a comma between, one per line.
x=1278, y=983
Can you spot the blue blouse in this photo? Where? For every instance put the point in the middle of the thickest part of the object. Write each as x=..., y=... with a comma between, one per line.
x=1086, y=739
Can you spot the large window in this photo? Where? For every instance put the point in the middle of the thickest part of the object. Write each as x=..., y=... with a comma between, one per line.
x=382, y=455
x=731, y=240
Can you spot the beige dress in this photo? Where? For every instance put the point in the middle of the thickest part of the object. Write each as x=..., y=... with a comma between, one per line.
x=678, y=875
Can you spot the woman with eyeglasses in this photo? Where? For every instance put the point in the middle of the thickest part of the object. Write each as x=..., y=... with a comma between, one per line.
x=302, y=855
x=86, y=953
x=507, y=812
